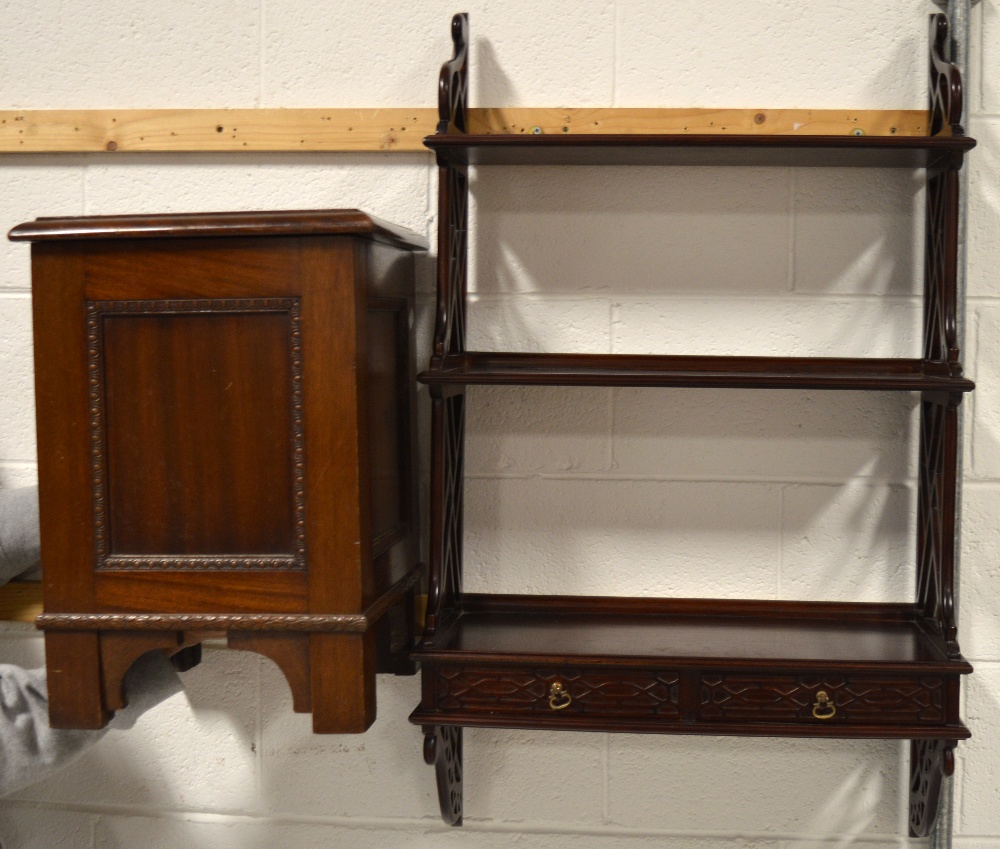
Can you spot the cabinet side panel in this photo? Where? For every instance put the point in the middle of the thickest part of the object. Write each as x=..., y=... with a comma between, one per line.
x=62, y=415
x=391, y=401
x=162, y=269
x=338, y=524
x=387, y=423
x=198, y=429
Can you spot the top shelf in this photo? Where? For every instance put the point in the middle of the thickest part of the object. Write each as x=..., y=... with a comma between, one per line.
x=713, y=150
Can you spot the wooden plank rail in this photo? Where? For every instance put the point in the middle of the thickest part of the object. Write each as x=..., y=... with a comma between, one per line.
x=397, y=130
x=20, y=602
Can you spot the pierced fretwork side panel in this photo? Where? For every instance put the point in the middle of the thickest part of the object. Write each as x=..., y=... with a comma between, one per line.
x=447, y=438
x=443, y=750
x=453, y=218
x=936, y=516
x=930, y=762
x=448, y=424
x=940, y=267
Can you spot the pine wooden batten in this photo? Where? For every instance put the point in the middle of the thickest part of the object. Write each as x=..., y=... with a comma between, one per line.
x=401, y=129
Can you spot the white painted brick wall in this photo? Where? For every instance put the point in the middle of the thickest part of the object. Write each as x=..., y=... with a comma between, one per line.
x=853, y=791
x=130, y=54
x=771, y=54
x=712, y=493
x=16, y=386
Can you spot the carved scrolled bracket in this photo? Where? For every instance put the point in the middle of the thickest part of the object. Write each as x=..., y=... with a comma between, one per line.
x=453, y=85
x=945, y=83
x=930, y=762
x=453, y=199
x=443, y=751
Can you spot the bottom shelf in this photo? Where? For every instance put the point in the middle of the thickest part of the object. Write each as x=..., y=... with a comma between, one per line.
x=692, y=667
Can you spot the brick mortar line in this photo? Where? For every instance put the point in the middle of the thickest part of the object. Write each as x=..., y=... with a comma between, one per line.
x=430, y=825
x=796, y=296
x=597, y=476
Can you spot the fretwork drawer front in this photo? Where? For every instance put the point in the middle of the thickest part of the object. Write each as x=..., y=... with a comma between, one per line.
x=819, y=700
x=595, y=692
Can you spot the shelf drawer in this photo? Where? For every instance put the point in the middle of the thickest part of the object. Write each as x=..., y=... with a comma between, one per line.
x=877, y=700
x=551, y=692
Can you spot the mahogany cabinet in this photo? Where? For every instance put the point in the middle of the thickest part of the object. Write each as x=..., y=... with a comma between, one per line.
x=699, y=666
x=225, y=407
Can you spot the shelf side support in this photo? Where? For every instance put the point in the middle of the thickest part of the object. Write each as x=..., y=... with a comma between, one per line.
x=939, y=454
x=443, y=744
x=958, y=15
x=933, y=761
x=448, y=410
x=443, y=750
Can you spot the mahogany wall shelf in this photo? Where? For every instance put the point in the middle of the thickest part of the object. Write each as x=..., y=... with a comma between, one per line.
x=676, y=149
x=693, y=666
x=226, y=425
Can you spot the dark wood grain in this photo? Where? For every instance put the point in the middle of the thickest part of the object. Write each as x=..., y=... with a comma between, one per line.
x=75, y=681
x=521, y=369
x=309, y=222
x=206, y=379
x=631, y=725
x=676, y=631
x=703, y=150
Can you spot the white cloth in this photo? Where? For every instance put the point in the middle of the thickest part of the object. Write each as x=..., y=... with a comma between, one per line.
x=29, y=749
x=20, y=545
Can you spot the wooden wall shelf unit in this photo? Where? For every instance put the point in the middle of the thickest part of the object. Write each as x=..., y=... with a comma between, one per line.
x=226, y=433
x=693, y=666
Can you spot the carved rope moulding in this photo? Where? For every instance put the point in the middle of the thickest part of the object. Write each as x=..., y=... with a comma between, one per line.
x=353, y=623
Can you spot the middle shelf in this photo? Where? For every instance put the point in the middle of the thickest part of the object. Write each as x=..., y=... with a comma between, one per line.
x=483, y=368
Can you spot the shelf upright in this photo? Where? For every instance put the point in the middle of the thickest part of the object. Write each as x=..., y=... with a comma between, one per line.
x=443, y=743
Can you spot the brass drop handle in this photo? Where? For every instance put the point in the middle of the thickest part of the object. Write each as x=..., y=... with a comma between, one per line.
x=558, y=697
x=824, y=707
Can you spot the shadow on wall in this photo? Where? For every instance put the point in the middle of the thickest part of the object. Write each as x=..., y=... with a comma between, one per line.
x=493, y=87
x=762, y=261
x=712, y=492
x=199, y=740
